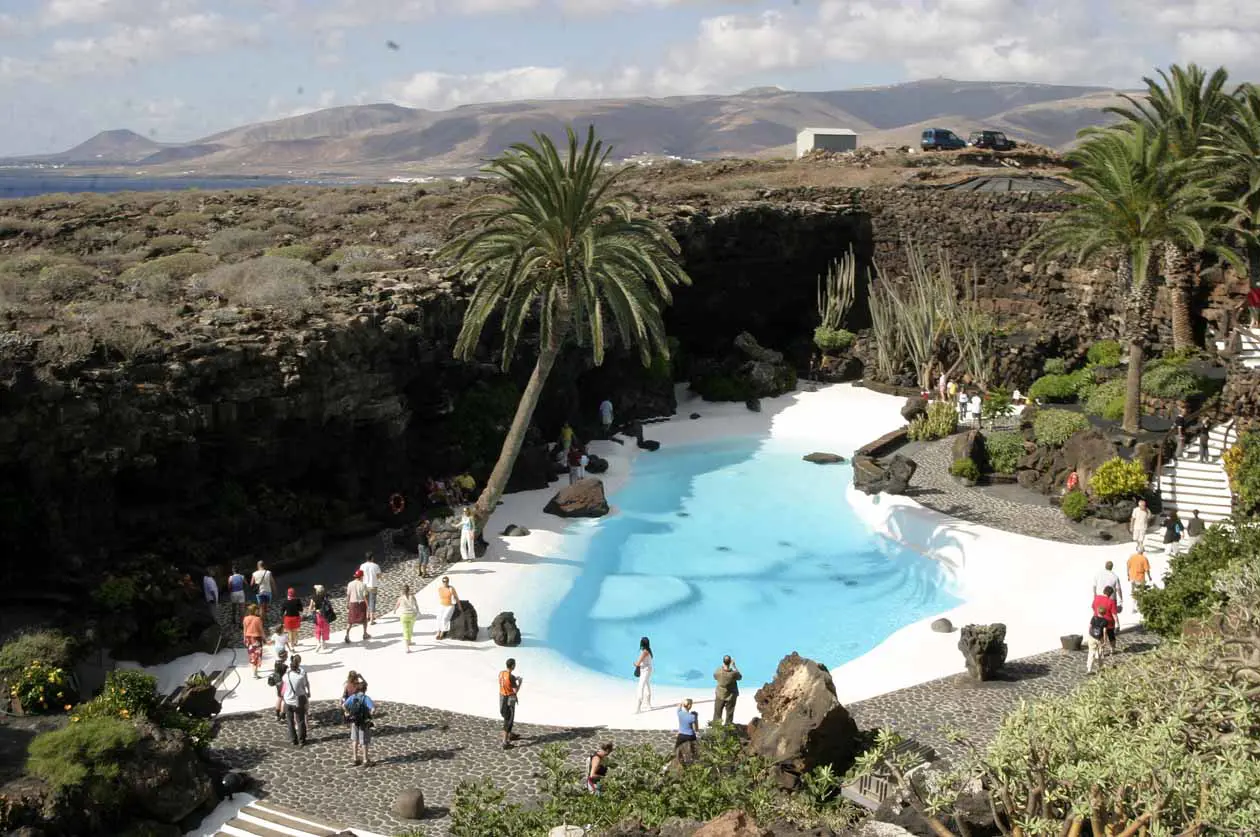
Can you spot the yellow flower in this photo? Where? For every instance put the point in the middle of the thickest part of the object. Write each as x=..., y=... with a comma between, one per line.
x=74, y=718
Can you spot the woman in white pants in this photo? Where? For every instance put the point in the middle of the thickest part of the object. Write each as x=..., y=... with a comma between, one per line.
x=643, y=668
x=468, y=536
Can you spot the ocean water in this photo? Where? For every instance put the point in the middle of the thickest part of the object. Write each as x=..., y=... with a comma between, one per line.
x=25, y=183
x=738, y=547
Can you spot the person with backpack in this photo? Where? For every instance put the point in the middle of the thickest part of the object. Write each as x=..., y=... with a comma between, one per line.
x=297, y=695
x=1094, y=639
x=236, y=593
x=276, y=680
x=1106, y=602
x=358, y=710
x=597, y=767
x=321, y=607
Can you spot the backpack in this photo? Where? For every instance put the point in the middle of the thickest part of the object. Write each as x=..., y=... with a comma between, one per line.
x=358, y=711
x=1097, y=627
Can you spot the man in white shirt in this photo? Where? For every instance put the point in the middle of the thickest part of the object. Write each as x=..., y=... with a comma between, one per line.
x=264, y=586
x=211, y=589
x=1107, y=578
x=371, y=575
x=296, y=691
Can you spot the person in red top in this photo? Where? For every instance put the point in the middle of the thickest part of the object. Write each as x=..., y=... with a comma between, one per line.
x=1105, y=606
x=1253, y=302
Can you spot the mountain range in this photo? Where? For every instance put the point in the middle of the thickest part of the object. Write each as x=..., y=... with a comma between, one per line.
x=762, y=122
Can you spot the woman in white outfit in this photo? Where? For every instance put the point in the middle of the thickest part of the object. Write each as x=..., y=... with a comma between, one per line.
x=468, y=536
x=643, y=667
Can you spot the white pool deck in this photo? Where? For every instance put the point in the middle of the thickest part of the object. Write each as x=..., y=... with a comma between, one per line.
x=1040, y=589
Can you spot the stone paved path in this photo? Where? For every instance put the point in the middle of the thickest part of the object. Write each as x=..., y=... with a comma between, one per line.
x=933, y=487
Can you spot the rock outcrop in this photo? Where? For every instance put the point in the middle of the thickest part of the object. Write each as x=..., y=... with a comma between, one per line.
x=464, y=623
x=984, y=649
x=409, y=804
x=915, y=406
x=820, y=458
x=585, y=498
x=891, y=476
x=503, y=630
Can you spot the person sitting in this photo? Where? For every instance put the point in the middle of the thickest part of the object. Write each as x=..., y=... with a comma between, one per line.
x=597, y=767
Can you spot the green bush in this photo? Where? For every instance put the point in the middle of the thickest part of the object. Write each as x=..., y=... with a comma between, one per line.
x=302, y=252
x=996, y=403
x=41, y=688
x=965, y=469
x=83, y=755
x=1117, y=478
x=128, y=693
x=1242, y=464
x=1104, y=353
x=833, y=339
x=235, y=241
x=1107, y=400
x=721, y=386
x=165, y=245
x=1171, y=379
x=1054, y=388
x=1004, y=450
x=176, y=267
x=1055, y=366
x=1054, y=427
x=940, y=421
x=1075, y=504
x=52, y=648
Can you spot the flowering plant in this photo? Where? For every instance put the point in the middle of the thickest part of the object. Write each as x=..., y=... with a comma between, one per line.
x=42, y=688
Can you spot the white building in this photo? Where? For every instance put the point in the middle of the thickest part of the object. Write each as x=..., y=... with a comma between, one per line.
x=825, y=139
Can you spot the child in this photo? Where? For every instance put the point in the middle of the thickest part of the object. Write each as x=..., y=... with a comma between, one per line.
x=1095, y=638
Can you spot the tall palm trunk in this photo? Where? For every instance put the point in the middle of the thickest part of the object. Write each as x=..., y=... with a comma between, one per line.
x=1179, y=274
x=515, y=439
x=1137, y=318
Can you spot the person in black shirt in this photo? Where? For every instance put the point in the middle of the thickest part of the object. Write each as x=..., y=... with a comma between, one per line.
x=277, y=680
x=291, y=612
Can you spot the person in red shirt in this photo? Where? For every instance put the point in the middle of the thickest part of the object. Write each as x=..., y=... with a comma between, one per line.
x=1253, y=302
x=1105, y=606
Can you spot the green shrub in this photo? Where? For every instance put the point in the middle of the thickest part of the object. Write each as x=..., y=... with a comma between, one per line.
x=996, y=403
x=236, y=241
x=1242, y=465
x=1188, y=590
x=1054, y=427
x=286, y=284
x=940, y=421
x=1004, y=450
x=41, y=688
x=1075, y=504
x=165, y=245
x=721, y=386
x=65, y=281
x=1055, y=366
x=1171, y=379
x=51, y=648
x=1054, y=388
x=128, y=693
x=83, y=755
x=1117, y=478
x=833, y=339
x=1107, y=400
x=302, y=252
x=176, y=267
x=1104, y=353
x=965, y=469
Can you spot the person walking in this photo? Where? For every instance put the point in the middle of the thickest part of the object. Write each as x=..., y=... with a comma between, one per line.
x=566, y=439
x=358, y=709
x=727, y=691
x=236, y=593
x=643, y=671
x=276, y=680
x=597, y=768
x=1104, y=605
x=407, y=609
x=606, y=415
x=1139, y=522
x=1108, y=580
x=1195, y=527
x=252, y=629
x=264, y=587
x=297, y=696
x=942, y=385
x=509, y=690
x=467, y=536
x=210, y=588
x=448, y=599
x=321, y=608
x=1139, y=571
x=575, y=464
x=688, y=733
x=371, y=578
x=356, y=605
x=1094, y=639
x=424, y=550
x=353, y=679
x=1205, y=439
x=1172, y=532
x=291, y=616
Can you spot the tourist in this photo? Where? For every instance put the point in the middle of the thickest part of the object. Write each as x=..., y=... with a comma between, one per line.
x=643, y=671
x=509, y=690
x=685, y=750
x=276, y=680
x=1253, y=305
x=1196, y=527
x=321, y=608
x=727, y=691
x=942, y=385
x=597, y=767
x=437, y=492
x=291, y=616
x=371, y=576
x=356, y=605
x=1139, y=571
x=211, y=589
x=1180, y=430
x=1139, y=522
x=280, y=641
x=575, y=464
x=1094, y=639
x=606, y=415
x=449, y=600
x=353, y=679
x=424, y=550
x=358, y=709
x=974, y=411
x=252, y=629
x=1073, y=481
x=1205, y=440
x=566, y=439
x=297, y=696
x=407, y=609
x=952, y=390
x=1108, y=580
x=468, y=536
x=962, y=404
x=264, y=586
x=236, y=593
x=1172, y=531
x=1104, y=605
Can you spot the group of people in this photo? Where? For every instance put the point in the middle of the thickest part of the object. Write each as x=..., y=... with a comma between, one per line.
x=1176, y=535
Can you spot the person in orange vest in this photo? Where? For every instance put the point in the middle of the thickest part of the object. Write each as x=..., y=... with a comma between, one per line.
x=509, y=688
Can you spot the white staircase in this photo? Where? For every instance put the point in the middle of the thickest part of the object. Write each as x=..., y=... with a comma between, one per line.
x=268, y=819
x=1188, y=484
x=1249, y=346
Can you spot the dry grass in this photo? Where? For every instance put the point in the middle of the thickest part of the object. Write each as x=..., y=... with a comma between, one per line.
x=268, y=281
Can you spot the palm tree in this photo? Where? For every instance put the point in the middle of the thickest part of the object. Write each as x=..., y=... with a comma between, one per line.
x=1232, y=151
x=560, y=242
x=1132, y=199
x=1186, y=103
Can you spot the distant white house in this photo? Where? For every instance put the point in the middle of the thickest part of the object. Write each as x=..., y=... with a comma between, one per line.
x=825, y=139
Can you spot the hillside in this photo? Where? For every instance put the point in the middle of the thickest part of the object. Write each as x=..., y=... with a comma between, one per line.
x=391, y=139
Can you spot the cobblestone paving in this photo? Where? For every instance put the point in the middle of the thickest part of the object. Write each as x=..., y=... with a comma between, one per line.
x=933, y=487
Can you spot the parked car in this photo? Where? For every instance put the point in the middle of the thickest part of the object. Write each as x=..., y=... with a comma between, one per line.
x=995, y=140
x=941, y=139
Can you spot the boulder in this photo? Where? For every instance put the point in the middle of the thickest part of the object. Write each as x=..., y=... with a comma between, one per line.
x=748, y=344
x=199, y=701
x=649, y=444
x=969, y=445
x=163, y=776
x=232, y=783
x=732, y=824
x=503, y=630
x=514, y=531
x=915, y=406
x=464, y=623
x=802, y=723
x=694, y=416
x=943, y=626
x=984, y=649
x=891, y=477
x=585, y=498
x=596, y=464
x=823, y=458
x=753, y=405
x=409, y=804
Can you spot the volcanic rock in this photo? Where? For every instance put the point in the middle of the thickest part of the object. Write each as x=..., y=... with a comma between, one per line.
x=585, y=498
x=503, y=630
x=984, y=649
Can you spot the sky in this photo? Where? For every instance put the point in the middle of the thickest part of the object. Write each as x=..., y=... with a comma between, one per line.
x=177, y=70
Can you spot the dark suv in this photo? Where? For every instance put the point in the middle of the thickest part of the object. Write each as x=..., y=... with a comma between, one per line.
x=941, y=139
x=995, y=140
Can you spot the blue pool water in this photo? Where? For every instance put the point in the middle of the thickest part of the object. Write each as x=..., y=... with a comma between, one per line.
x=738, y=547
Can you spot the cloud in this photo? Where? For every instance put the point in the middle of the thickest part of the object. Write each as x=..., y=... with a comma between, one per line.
x=82, y=12
x=440, y=91
x=348, y=14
